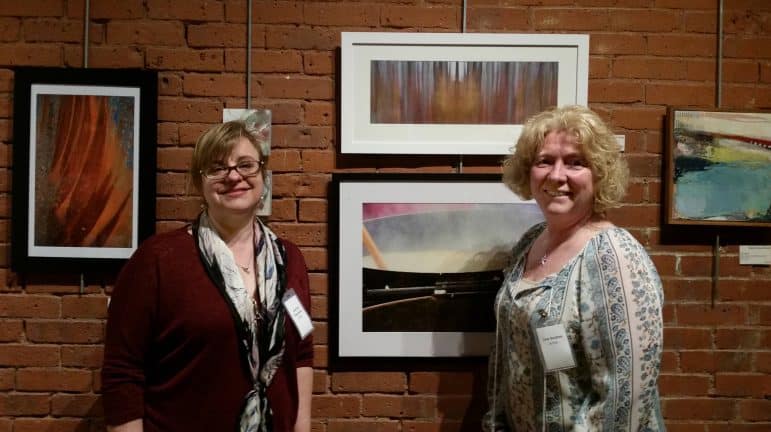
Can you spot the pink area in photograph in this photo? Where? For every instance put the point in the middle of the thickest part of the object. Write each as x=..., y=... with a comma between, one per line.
x=378, y=210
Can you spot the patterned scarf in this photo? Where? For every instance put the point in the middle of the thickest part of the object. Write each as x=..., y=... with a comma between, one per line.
x=260, y=329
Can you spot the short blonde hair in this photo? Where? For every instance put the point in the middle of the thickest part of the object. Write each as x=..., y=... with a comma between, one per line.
x=216, y=144
x=596, y=141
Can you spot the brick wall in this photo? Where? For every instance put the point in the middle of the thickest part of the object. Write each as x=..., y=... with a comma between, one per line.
x=644, y=56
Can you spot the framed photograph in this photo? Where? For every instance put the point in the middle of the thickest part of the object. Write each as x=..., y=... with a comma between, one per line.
x=453, y=93
x=718, y=167
x=419, y=260
x=83, y=166
x=258, y=120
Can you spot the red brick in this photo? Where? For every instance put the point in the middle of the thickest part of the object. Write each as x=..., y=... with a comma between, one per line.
x=220, y=35
x=282, y=160
x=50, y=424
x=84, y=307
x=30, y=55
x=53, y=380
x=173, y=184
x=302, y=136
x=264, y=61
x=313, y=210
x=20, y=404
x=76, y=405
x=307, y=234
x=175, y=158
x=52, y=30
x=382, y=382
x=177, y=208
x=679, y=94
x=688, y=314
x=344, y=14
x=688, y=385
x=698, y=409
x=336, y=406
x=65, y=331
x=32, y=8
x=302, y=38
x=335, y=425
x=687, y=338
x=650, y=20
x=195, y=110
x=570, y=19
x=297, y=87
x=741, y=338
x=20, y=306
x=498, y=18
x=742, y=384
x=319, y=283
x=700, y=21
x=11, y=330
x=107, y=9
x=442, y=382
x=318, y=161
x=319, y=307
x=382, y=405
x=747, y=47
x=649, y=67
x=319, y=113
x=679, y=289
x=181, y=59
x=409, y=16
x=616, y=91
x=615, y=43
x=165, y=33
x=214, y=84
x=169, y=85
x=682, y=45
x=755, y=410
x=197, y=10
x=82, y=356
x=318, y=62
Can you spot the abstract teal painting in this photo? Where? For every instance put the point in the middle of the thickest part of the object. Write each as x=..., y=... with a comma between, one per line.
x=719, y=168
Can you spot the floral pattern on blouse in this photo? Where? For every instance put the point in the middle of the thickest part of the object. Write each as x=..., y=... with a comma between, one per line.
x=609, y=299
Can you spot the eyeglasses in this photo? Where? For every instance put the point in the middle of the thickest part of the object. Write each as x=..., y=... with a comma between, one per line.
x=245, y=168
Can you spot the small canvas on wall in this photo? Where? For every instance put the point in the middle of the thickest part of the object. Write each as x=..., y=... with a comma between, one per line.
x=718, y=168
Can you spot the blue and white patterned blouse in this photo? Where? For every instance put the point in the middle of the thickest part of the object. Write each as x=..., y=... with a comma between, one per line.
x=609, y=299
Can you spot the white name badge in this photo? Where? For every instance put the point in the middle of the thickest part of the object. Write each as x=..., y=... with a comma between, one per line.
x=555, y=348
x=298, y=314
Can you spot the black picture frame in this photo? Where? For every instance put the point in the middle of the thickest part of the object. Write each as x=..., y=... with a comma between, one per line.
x=483, y=221
x=84, y=158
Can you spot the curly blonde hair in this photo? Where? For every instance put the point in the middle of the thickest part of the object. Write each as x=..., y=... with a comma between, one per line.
x=596, y=141
x=217, y=143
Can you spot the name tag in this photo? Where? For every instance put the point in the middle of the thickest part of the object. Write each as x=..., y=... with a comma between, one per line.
x=298, y=314
x=555, y=348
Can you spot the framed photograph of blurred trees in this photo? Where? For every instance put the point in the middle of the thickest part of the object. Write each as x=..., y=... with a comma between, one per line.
x=453, y=93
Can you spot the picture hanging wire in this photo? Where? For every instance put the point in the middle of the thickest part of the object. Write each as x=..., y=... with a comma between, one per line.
x=718, y=99
x=86, y=19
x=248, y=54
x=82, y=284
x=459, y=170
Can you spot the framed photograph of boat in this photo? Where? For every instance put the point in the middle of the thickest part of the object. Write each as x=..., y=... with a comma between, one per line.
x=84, y=145
x=418, y=260
x=453, y=93
x=718, y=167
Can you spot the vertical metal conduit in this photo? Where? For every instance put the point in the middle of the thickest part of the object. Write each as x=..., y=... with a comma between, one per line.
x=248, y=54
x=86, y=19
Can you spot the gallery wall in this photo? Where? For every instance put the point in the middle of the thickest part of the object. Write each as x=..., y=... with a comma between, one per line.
x=645, y=55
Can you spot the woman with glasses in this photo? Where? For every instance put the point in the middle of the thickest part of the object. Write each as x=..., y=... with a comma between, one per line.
x=208, y=326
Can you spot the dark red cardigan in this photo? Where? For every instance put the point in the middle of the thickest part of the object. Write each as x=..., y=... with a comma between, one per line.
x=171, y=355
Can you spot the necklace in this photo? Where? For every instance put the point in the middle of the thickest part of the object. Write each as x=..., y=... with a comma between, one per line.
x=246, y=269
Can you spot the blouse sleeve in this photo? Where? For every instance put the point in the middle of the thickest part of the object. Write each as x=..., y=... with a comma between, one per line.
x=494, y=419
x=298, y=277
x=621, y=326
x=130, y=319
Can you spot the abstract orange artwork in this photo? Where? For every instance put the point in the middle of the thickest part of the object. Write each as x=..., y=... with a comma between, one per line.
x=84, y=171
